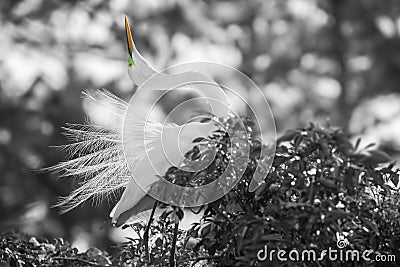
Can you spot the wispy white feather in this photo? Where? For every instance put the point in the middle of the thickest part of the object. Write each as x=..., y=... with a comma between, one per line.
x=96, y=156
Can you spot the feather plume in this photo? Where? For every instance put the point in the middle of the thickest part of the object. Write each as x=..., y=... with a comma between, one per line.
x=104, y=168
x=96, y=156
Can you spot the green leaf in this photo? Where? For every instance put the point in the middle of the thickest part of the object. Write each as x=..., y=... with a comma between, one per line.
x=289, y=135
x=198, y=139
x=327, y=182
x=395, y=179
x=379, y=156
x=179, y=213
x=357, y=143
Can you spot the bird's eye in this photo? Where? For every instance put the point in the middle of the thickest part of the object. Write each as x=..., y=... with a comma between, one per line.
x=131, y=63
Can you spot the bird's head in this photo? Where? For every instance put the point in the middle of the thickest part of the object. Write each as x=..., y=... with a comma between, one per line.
x=139, y=70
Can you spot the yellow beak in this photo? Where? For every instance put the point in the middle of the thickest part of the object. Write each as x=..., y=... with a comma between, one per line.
x=129, y=36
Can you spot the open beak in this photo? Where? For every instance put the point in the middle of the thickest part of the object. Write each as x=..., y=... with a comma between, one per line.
x=128, y=37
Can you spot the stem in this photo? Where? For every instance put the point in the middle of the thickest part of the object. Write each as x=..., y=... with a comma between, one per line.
x=146, y=232
x=172, y=260
x=239, y=201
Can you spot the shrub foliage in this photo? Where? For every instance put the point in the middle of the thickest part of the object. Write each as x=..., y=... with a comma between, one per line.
x=321, y=189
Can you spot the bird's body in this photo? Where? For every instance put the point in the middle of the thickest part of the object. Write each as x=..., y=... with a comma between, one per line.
x=168, y=150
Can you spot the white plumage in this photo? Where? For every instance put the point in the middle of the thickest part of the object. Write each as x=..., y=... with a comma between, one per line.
x=133, y=156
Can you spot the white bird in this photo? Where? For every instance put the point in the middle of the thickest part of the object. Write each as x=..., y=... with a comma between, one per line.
x=134, y=156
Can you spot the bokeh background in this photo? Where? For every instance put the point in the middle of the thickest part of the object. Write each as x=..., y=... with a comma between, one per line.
x=334, y=62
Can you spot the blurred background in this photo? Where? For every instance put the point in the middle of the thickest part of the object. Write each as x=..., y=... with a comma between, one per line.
x=334, y=62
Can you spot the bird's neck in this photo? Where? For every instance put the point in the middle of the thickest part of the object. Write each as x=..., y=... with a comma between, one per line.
x=142, y=69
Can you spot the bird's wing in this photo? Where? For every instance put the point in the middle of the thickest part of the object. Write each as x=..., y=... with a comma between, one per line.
x=140, y=212
x=158, y=155
x=143, y=216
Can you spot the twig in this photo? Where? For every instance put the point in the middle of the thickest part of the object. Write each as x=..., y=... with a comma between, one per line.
x=146, y=232
x=172, y=261
x=239, y=201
